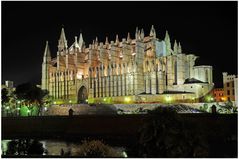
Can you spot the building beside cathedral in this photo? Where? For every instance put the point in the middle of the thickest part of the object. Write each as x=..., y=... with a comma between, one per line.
x=131, y=70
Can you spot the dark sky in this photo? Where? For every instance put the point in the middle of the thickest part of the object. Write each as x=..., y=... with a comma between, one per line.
x=206, y=29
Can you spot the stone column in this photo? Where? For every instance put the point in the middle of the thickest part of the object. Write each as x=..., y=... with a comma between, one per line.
x=111, y=83
x=99, y=84
x=119, y=84
x=160, y=82
x=102, y=86
x=115, y=85
x=63, y=86
x=123, y=84
x=147, y=80
x=57, y=86
x=107, y=86
x=153, y=82
x=96, y=87
x=170, y=68
x=180, y=69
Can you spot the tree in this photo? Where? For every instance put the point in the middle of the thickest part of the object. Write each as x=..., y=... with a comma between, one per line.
x=31, y=94
x=204, y=107
x=25, y=147
x=12, y=148
x=97, y=149
x=5, y=97
x=35, y=148
x=165, y=134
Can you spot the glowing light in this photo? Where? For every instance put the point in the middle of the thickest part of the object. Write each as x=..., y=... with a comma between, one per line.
x=18, y=108
x=127, y=99
x=134, y=53
x=209, y=98
x=7, y=107
x=168, y=99
x=124, y=154
x=18, y=102
x=70, y=101
x=223, y=98
x=55, y=102
x=28, y=111
x=79, y=75
x=86, y=100
x=104, y=99
x=45, y=108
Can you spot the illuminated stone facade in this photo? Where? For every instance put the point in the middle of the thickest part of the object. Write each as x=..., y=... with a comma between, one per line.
x=139, y=70
x=229, y=86
x=218, y=94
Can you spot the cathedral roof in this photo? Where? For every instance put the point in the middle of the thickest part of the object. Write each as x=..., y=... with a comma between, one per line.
x=177, y=92
x=192, y=80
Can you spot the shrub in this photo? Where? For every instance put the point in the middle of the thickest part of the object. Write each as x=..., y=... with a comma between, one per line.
x=96, y=148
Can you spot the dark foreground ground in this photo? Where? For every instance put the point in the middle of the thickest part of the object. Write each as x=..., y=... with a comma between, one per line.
x=119, y=130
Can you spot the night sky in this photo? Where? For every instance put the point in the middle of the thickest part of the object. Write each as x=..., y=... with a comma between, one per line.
x=206, y=29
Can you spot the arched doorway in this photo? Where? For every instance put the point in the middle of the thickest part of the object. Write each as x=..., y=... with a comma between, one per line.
x=82, y=95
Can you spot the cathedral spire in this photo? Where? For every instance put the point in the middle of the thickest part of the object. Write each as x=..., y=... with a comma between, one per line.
x=167, y=43
x=81, y=41
x=106, y=40
x=175, y=47
x=76, y=42
x=152, y=32
x=62, y=42
x=96, y=40
x=179, y=48
x=136, y=33
x=117, y=39
x=128, y=38
x=47, y=53
x=142, y=34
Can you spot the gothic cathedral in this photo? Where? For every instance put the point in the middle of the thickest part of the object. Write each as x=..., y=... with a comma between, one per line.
x=140, y=70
